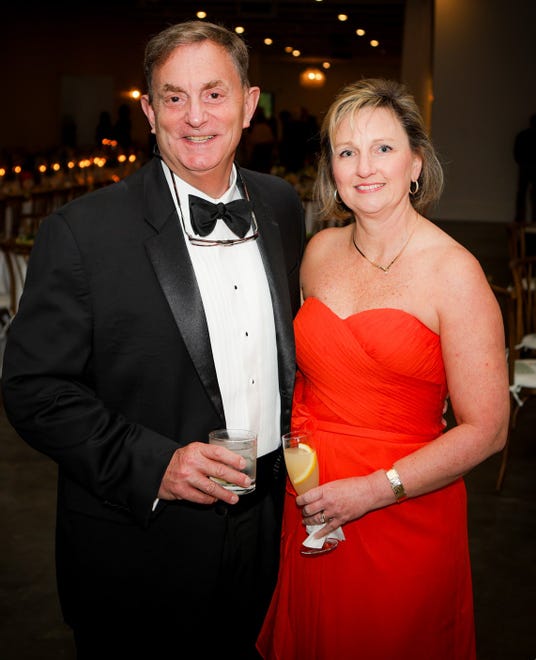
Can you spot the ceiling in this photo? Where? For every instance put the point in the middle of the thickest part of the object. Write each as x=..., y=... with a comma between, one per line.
x=308, y=25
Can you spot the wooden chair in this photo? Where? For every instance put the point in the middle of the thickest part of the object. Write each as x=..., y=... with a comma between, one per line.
x=20, y=217
x=16, y=257
x=521, y=240
x=36, y=208
x=516, y=240
x=10, y=213
x=517, y=303
x=523, y=272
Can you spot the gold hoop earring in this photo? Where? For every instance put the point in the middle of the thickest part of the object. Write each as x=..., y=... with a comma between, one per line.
x=337, y=197
x=414, y=192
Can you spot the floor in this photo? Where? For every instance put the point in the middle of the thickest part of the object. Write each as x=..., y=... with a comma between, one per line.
x=502, y=529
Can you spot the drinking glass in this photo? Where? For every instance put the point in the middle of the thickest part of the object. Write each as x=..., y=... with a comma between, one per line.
x=302, y=467
x=241, y=442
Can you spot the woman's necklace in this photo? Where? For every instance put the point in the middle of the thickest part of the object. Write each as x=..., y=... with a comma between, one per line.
x=385, y=269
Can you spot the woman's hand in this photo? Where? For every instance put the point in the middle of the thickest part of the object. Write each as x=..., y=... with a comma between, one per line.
x=338, y=502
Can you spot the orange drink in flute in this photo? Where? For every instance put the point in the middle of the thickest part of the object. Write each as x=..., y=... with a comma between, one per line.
x=301, y=462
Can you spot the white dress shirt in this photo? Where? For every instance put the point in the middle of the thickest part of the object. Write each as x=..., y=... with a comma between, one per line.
x=238, y=307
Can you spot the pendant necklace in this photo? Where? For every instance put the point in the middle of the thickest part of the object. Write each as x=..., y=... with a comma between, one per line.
x=384, y=269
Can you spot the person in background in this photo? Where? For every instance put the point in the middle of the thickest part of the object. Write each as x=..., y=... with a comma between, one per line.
x=144, y=326
x=298, y=145
x=122, y=130
x=525, y=157
x=104, y=129
x=396, y=317
x=260, y=143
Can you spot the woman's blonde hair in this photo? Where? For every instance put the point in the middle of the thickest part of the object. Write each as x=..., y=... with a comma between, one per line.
x=377, y=93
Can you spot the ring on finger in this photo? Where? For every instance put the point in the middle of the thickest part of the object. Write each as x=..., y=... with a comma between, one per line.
x=322, y=517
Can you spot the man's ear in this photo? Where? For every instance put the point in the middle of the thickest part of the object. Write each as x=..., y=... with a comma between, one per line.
x=251, y=99
x=148, y=110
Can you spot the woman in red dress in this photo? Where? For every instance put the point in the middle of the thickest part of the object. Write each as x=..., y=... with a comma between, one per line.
x=396, y=317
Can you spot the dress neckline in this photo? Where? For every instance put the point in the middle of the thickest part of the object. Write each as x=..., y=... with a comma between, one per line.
x=369, y=311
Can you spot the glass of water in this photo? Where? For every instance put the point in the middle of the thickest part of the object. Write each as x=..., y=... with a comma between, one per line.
x=240, y=442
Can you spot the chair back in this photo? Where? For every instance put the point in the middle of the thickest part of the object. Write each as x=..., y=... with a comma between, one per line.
x=523, y=272
x=506, y=297
x=10, y=214
x=36, y=208
x=15, y=263
x=516, y=240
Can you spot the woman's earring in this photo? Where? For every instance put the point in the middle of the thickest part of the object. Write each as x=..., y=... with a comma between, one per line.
x=414, y=192
x=337, y=197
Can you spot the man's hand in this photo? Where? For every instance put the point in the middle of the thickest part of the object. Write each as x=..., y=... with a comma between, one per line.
x=187, y=476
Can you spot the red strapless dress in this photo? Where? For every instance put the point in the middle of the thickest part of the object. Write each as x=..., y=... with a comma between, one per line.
x=371, y=388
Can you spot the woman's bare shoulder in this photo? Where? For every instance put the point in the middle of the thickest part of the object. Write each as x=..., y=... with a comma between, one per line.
x=326, y=241
x=445, y=253
x=454, y=276
x=323, y=255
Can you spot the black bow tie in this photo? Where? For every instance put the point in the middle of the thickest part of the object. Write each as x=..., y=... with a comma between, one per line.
x=203, y=215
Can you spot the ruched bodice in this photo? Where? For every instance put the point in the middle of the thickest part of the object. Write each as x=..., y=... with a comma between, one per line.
x=387, y=352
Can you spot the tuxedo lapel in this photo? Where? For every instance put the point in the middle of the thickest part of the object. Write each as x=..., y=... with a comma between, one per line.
x=169, y=255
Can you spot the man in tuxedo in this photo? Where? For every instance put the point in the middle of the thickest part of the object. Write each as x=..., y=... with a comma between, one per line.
x=148, y=319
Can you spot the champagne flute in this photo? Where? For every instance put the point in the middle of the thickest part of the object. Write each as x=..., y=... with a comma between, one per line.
x=302, y=467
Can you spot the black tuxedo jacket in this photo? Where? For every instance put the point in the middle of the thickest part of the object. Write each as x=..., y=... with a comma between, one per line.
x=108, y=366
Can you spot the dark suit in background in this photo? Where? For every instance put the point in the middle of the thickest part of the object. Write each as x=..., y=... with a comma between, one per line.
x=525, y=157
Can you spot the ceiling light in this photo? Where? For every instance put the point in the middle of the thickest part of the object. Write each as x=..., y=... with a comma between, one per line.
x=201, y=14
x=342, y=17
x=296, y=53
x=360, y=32
x=239, y=29
x=312, y=78
x=268, y=41
x=374, y=43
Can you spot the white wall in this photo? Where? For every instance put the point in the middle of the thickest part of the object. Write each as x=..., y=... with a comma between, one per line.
x=484, y=93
